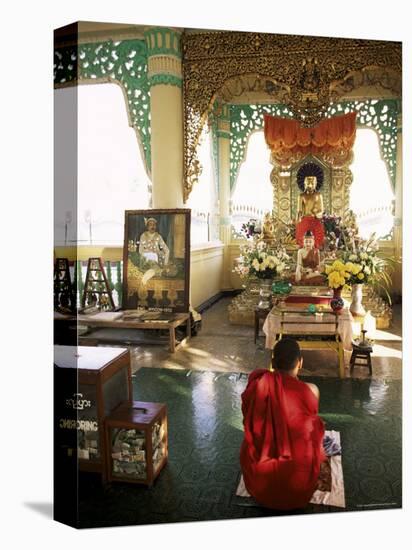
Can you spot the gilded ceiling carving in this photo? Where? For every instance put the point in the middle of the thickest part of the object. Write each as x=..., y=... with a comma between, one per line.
x=305, y=73
x=250, y=85
x=384, y=77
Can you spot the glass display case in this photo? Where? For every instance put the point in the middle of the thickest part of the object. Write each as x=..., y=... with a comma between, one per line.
x=136, y=436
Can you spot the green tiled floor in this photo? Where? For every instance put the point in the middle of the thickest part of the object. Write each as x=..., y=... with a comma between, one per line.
x=205, y=433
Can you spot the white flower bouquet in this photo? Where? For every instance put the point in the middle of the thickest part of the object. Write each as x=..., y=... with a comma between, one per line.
x=363, y=262
x=257, y=260
x=367, y=266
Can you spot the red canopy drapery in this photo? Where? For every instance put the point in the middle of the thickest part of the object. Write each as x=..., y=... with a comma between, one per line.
x=331, y=135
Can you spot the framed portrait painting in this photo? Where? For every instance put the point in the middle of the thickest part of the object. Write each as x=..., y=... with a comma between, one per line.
x=156, y=260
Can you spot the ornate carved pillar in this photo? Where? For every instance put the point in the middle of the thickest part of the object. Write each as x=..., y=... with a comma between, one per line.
x=281, y=181
x=166, y=109
x=223, y=137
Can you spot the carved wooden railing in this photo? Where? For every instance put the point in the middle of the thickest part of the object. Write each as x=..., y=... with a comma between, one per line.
x=377, y=211
x=242, y=213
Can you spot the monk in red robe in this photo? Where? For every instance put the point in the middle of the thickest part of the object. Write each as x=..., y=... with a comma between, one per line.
x=282, y=448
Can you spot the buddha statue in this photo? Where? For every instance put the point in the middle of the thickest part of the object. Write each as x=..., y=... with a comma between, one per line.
x=308, y=269
x=310, y=202
x=310, y=205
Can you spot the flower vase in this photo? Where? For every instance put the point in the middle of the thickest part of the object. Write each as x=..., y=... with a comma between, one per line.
x=356, y=307
x=336, y=302
x=265, y=293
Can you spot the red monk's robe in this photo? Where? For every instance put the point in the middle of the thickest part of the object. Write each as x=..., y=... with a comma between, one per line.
x=282, y=448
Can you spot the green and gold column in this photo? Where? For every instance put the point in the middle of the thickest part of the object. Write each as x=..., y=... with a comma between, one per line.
x=166, y=110
x=223, y=137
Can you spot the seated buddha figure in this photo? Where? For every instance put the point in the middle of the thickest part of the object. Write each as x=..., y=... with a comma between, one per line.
x=308, y=269
x=310, y=212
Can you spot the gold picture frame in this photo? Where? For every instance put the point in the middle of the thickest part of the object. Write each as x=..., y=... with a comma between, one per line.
x=156, y=260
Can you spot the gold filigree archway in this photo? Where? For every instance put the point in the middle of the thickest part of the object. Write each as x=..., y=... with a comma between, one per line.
x=308, y=82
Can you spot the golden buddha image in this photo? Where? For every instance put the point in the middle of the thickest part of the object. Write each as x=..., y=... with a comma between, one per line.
x=310, y=208
x=310, y=202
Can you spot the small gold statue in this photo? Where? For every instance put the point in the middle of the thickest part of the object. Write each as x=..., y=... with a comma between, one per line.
x=268, y=227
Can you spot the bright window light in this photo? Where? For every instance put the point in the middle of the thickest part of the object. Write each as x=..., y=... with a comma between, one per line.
x=253, y=192
x=253, y=186
x=202, y=199
x=111, y=173
x=371, y=194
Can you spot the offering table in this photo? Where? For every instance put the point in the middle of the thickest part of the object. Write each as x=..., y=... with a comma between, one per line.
x=122, y=320
x=320, y=330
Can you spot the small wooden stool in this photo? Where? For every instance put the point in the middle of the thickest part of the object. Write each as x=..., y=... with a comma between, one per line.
x=260, y=314
x=362, y=353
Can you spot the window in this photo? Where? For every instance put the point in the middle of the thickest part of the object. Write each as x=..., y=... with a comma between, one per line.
x=371, y=194
x=253, y=193
x=203, y=198
x=111, y=173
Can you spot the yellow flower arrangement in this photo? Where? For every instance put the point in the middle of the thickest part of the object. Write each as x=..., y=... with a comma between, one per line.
x=356, y=269
x=339, y=273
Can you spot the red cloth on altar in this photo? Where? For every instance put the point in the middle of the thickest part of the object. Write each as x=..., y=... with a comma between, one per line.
x=282, y=448
x=310, y=223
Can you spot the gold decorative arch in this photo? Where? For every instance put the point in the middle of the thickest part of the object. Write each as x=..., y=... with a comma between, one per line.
x=309, y=72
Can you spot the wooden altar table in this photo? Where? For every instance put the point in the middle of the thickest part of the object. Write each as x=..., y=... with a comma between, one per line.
x=325, y=330
x=118, y=320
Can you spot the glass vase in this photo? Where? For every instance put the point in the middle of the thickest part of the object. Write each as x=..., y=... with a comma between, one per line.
x=265, y=293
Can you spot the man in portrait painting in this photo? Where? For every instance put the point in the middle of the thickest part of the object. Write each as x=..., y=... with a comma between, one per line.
x=152, y=246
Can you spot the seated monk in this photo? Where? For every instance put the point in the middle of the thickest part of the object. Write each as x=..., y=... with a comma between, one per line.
x=282, y=449
x=308, y=270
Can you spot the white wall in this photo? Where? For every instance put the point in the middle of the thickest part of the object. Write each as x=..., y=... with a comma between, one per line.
x=205, y=272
